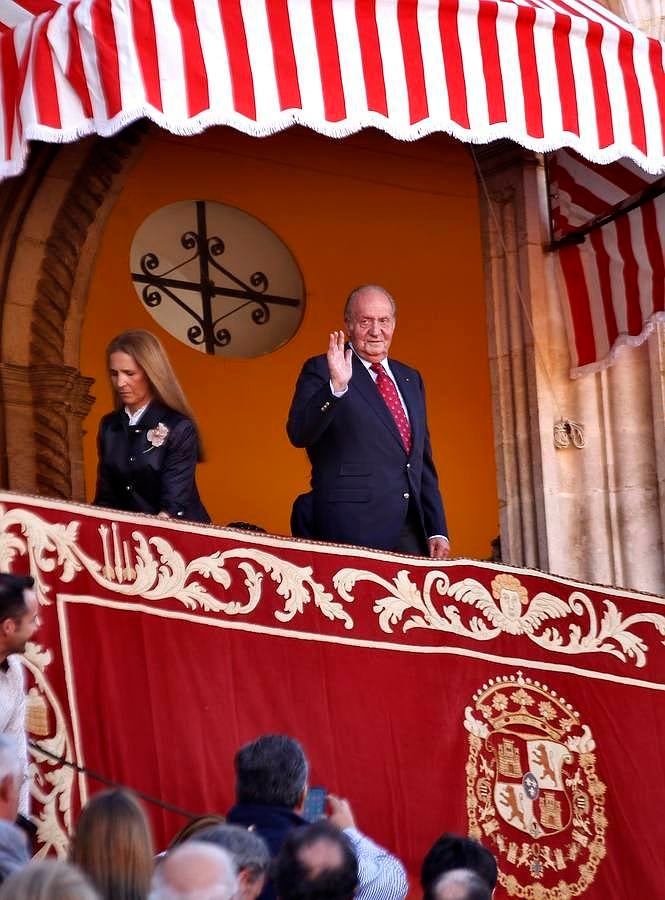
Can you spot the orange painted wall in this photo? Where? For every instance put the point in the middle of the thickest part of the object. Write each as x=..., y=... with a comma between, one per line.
x=363, y=209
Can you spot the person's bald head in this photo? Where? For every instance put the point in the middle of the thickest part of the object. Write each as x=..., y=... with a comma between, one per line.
x=195, y=870
x=460, y=884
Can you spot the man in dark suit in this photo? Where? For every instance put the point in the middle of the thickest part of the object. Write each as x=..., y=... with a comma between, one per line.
x=363, y=421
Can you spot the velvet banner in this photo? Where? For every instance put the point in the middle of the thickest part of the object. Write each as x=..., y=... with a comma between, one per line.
x=524, y=709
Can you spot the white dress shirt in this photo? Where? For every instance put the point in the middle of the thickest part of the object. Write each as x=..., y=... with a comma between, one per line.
x=135, y=416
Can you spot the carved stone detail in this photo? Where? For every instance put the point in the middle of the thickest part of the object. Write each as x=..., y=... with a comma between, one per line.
x=59, y=269
x=66, y=392
x=58, y=210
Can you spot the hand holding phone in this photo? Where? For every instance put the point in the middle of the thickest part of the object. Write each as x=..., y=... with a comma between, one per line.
x=341, y=813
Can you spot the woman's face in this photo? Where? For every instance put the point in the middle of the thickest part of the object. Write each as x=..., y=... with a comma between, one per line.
x=129, y=381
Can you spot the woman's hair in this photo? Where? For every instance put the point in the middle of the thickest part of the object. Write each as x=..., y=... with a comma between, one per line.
x=194, y=826
x=149, y=354
x=113, y=846
x=47, y=880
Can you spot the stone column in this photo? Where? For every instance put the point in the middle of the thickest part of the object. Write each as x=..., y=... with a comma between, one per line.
x=512, y=242
x=590, y=505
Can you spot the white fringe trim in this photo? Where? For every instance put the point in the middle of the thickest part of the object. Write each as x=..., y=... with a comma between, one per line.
x=286, y=118
x=622, y=342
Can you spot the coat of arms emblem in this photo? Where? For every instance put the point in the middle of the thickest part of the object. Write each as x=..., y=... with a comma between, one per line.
x=533, y=793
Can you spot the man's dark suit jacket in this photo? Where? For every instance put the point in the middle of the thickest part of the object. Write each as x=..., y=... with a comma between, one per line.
x=272, y=823
x=137, y=476
x=362, y=478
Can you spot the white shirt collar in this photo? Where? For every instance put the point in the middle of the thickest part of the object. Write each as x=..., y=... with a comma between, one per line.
x=135, y=416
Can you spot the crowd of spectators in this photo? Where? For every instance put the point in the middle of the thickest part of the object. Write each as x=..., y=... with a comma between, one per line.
x=263, y=849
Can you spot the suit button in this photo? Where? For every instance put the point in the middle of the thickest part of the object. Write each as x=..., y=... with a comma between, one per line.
x=405, y=495
x=132, y=458
x=408, y=465
x=128, y=487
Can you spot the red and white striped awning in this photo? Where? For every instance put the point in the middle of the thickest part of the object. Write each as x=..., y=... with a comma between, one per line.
x=609, y=222
x=544, y=73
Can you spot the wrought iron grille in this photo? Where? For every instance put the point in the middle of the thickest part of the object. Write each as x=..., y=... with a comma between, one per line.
x=207, y=249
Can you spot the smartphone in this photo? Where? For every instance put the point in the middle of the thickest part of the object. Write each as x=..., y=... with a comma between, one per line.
x=315, y=804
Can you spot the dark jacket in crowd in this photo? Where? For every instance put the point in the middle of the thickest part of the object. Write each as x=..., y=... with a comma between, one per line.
x=272, y=823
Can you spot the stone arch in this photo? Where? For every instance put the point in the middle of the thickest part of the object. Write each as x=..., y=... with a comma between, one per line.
x=54, y=216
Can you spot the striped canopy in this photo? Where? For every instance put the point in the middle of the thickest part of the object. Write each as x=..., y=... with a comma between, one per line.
x=609, y=224
x=544, y=73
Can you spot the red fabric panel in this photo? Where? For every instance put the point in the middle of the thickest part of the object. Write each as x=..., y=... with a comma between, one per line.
x=75, y=70
x=372, y=61
x=601, y=94
x=196, y=78
x=46, y=94
x=146, y=38
x=424, y=692
x=602, y=261
x=658, y=73
x=244, y=100
x=489, y=48
x=9, y=65
x=533, y=107
x=633, y=93
x=107, y=55
x=452, y=60
x=579, y=304
x=634, y=318
x=36, y=7
x=413, y=60
x=654, y=249
x=566, y=75
x=286, y=72
x=328, y=53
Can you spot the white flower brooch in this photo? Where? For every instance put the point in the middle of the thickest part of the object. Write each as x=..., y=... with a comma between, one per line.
x=156, y=436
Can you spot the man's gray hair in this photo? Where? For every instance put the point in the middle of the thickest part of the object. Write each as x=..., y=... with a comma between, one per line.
x=182, y=874
x=461, y=884
x=355, y=293
x=9, y=761
x=249, y=851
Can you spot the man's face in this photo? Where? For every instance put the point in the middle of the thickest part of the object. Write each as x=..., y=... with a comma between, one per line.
x=370, y=324
x=22, y=629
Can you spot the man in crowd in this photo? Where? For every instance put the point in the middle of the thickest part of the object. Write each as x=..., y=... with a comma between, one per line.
x=249, y=852
x=271, y=784
x=453, y=851
x=18, y=622
x=195, y=871
x=362, y=418
x=13, y=840
x=316, y=862
x=460, y=884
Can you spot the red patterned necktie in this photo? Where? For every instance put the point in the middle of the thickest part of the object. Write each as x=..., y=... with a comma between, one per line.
x=389, y=393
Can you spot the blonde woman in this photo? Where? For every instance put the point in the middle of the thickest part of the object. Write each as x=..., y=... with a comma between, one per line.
x=149, y=446
x=48, y=880
x=113, y=846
